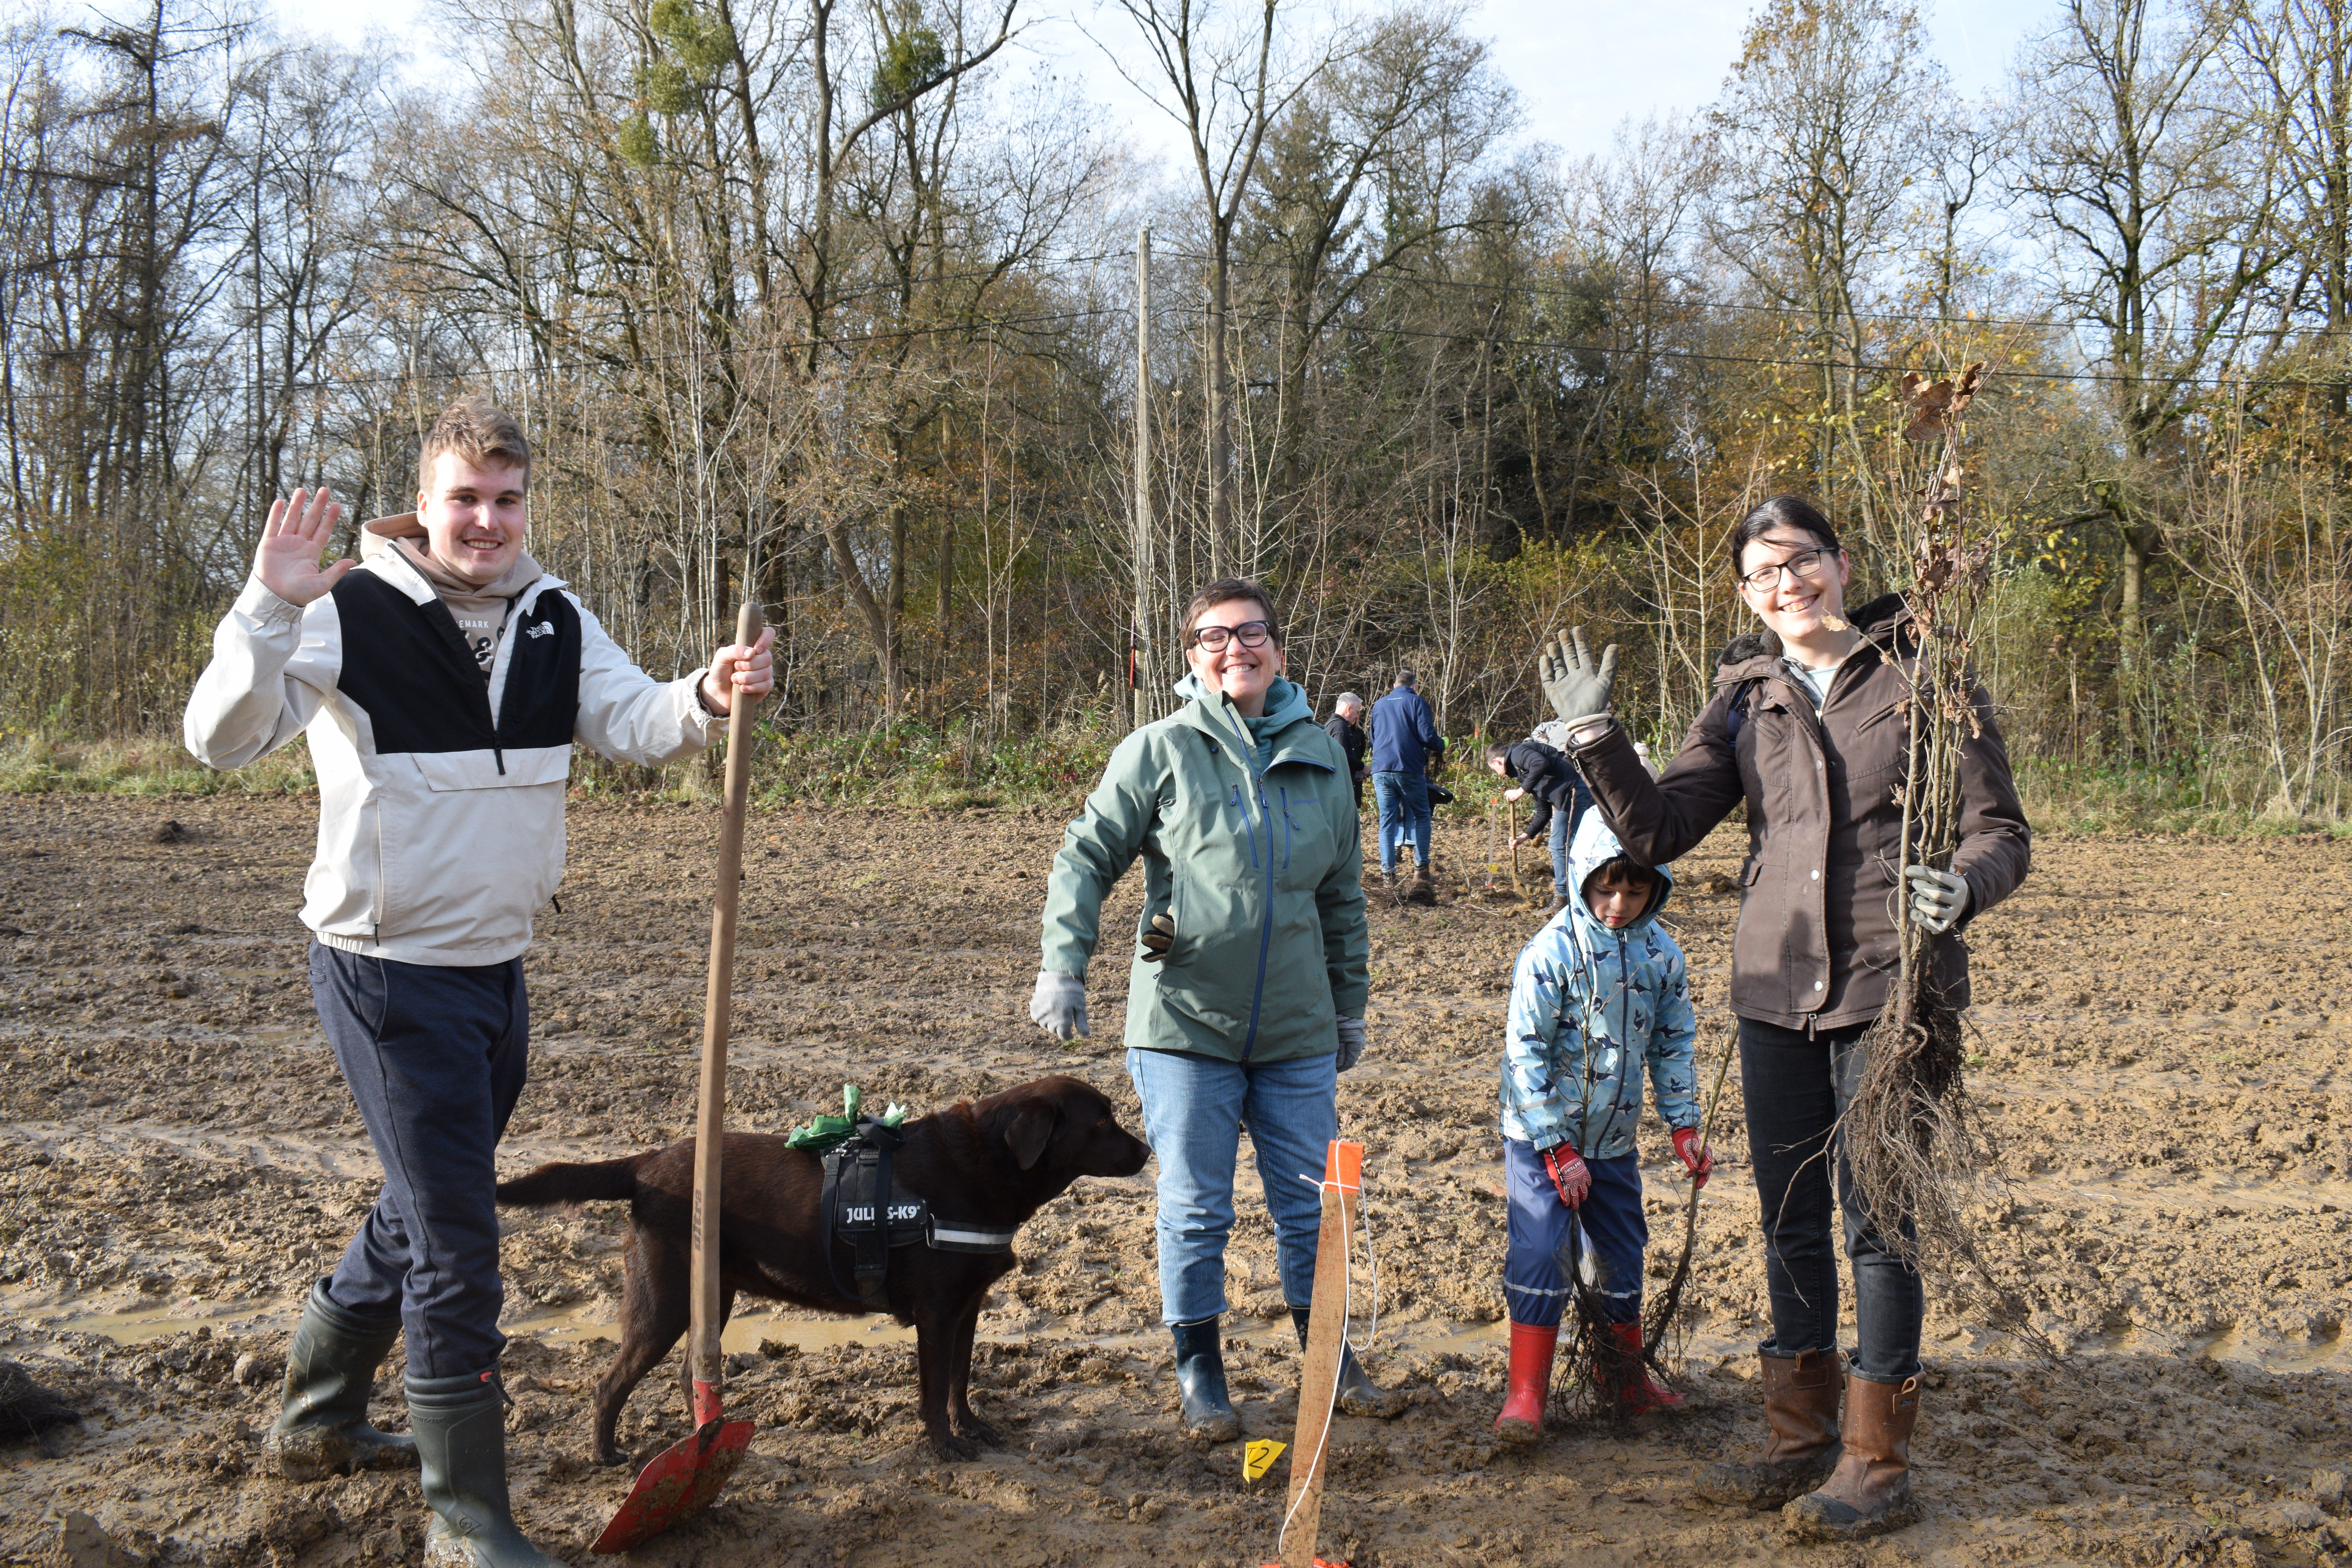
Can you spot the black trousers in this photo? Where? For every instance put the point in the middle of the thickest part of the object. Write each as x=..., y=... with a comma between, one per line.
x=1795, y=1088
x=435, y=1060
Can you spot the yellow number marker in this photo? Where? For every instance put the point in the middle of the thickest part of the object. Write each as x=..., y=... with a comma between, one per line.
x=1260, y=1457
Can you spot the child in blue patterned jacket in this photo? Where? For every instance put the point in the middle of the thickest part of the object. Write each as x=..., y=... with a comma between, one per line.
x=1598, y=994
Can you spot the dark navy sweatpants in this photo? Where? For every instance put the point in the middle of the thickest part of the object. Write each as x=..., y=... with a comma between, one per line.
x=435, y=1060
x=1546, y=1246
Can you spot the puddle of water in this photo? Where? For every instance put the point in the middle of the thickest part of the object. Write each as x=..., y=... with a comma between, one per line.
x=744, y=1330
x=138, y=1324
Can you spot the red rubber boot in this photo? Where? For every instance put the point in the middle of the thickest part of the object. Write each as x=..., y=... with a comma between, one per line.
x=1530, y=1381
x=1622, y=1379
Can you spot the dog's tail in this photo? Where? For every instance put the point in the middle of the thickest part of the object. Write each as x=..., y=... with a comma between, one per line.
x=566, y=1183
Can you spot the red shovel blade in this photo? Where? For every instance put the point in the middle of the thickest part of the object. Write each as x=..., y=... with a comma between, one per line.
x=678, y=1483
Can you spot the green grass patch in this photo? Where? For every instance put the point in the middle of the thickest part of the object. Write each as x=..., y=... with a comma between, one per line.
x=913, y=766
x=32, y=764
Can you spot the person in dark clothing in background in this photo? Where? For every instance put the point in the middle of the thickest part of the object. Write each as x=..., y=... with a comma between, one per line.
x=1346, y=713
x=1560, y=797
x=1405, y=742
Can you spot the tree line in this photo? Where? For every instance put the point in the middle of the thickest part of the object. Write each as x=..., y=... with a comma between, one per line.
x=850, y=310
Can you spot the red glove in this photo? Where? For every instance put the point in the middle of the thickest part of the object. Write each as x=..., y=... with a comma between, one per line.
x=1568, y=1173
x=1698, y=1161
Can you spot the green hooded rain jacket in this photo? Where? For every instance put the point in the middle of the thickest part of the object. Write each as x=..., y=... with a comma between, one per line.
x=1258, y=862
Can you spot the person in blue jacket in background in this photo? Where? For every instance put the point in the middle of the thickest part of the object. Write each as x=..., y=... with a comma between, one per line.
x=1405, y=741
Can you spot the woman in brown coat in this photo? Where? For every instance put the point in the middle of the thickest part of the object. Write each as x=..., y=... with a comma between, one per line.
x=1809, y=725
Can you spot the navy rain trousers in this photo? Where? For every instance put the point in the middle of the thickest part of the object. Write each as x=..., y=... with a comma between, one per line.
x=435, y=1060
x=1545, y=1245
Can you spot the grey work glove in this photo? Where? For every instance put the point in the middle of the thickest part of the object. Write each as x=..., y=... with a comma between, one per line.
x=1159, y=938
x=1351, y=1042
x=1059, y=1005
x=1574, y=682
x=1939, y=899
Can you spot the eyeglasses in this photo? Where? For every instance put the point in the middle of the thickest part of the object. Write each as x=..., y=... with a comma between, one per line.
x=1803, y=567
x=1250, y=634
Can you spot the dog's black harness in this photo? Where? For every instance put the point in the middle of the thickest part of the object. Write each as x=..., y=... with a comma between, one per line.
x=864, y=1206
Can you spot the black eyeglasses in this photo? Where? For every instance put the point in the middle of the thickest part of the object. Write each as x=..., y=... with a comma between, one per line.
x=1804, y=567
x=1250, y=634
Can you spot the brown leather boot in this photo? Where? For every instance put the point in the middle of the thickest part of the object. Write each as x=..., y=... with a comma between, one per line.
x=1801, y=1406
x=1424, y=889
x=1869, y=1493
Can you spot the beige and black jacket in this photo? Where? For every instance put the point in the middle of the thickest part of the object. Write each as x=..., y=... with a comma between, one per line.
x=441, y=793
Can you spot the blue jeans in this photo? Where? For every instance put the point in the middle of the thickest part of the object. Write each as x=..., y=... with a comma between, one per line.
x=1545, y=1244
x=435, y=1058
x=1194, y=1109
x=1404, y=800
x=1564, y=824
x=1796, y=1089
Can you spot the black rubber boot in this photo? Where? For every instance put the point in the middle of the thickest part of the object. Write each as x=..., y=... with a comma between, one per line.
x=321, y=1428
x=1358, y=1394
x=1200, y=1379
x=461, y=1438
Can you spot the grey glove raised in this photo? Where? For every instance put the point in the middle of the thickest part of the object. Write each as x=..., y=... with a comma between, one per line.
x=1575, y=683
x=1351, y=1042
x=1939, y=899
x=1058, y=1006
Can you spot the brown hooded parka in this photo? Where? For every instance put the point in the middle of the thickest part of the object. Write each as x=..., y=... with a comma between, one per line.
x=1815, y=946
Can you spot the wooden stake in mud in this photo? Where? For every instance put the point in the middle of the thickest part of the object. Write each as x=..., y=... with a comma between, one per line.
x=1327, y=1330
x=1511, y=821
x=682, y=1478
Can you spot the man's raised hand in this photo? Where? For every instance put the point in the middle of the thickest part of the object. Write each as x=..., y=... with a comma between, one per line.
x=287, y=563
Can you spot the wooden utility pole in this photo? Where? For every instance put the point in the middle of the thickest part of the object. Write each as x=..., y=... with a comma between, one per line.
x=1142, y=632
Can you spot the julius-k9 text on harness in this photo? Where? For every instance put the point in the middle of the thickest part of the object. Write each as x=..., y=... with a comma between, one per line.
x=868, y=1212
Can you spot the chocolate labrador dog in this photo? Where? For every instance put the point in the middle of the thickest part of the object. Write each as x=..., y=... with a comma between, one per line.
x=984, y=1166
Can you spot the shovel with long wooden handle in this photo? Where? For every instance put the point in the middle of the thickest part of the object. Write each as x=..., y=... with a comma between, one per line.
x=681, y=1479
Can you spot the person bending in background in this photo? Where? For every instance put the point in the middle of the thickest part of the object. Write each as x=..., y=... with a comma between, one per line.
x=443, y=681
x=1808, y=726
x=1249, y=973
x=1405, y=741
x=1598, y=994
x=1560, y=797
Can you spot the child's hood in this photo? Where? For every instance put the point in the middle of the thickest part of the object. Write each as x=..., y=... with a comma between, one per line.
x=1594, y=845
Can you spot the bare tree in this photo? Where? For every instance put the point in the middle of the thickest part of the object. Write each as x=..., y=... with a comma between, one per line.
x=1817, y=139
x=1227, y=81
x=2159, y=208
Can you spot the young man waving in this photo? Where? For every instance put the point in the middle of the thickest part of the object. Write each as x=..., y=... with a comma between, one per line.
x=443, y=679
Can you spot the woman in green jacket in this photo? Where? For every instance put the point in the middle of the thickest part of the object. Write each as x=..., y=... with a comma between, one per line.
x=1246, y=989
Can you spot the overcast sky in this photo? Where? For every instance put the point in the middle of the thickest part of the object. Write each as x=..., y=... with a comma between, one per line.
x=1581, y=66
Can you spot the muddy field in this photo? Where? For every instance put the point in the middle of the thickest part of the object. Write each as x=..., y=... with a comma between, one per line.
x=2164, y=1027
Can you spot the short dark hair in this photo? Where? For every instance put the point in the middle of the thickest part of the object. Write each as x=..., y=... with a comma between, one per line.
x=1500, y=753
x=1623, y=872
x=1224, y=590
x=1407, y=678
x=1781, y=511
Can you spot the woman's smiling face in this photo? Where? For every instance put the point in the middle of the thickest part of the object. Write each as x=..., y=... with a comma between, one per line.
x=1241, y=673
x=1797, y=609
